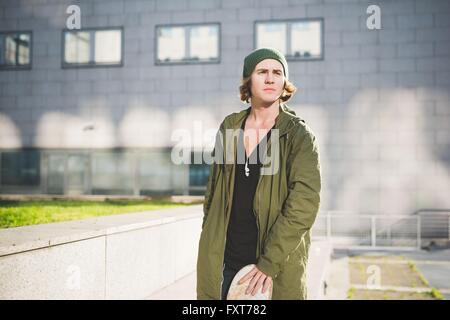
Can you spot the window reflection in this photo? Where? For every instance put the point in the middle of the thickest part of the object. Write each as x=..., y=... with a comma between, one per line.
x=204, y=42
x=272, y=35
x=107, y=46
x=77, y=47
x=306, y=39
x=171, y=44
x=296, y=39
x=20, y=168
x=23, y=47
x=15, y=49
x=93, y=47
x=198, y=175
x=111, y=171
x=11, y=50
x=193, y=43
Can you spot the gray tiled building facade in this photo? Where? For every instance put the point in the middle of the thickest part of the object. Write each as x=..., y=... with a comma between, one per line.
x=377, y=100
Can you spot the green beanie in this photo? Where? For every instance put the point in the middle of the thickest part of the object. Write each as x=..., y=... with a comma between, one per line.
x=259, y=55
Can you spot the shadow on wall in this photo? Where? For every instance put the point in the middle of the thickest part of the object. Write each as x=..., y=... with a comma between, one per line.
x=391, y=152
x=387, y=151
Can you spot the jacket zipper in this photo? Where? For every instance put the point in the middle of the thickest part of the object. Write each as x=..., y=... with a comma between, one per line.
x=223, y=256
x=257, y=218
x=254, y=212
x=226, y=228
x=227, y=197
x=221, y=282
x=257, y=225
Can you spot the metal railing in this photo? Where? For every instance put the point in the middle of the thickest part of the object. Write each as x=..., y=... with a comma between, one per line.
x=347, y=230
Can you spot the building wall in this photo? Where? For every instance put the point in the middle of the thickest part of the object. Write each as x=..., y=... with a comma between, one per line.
x=378, y=102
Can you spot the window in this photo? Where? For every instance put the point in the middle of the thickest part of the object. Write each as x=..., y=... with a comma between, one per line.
x=55, y=173
x=112, y=173
x=198, y=172
x=296, y=39
x=93, y=47
x=198, y=175
x=188, y=44
x=15, y=50
x=20, y=168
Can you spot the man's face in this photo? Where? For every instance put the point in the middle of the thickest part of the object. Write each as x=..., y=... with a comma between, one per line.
x=267, y=81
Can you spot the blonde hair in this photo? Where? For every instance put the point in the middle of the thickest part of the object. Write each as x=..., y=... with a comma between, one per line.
x=246, y=94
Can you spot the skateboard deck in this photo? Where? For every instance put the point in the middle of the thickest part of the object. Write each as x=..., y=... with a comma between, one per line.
x=237, y=291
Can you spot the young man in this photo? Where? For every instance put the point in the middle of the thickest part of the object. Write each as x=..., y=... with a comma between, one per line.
x=255, y=218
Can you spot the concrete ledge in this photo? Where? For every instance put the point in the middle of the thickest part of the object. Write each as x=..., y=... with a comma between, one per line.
x=147, y=255
x=127, y=256
x=90, y=197
x=20, y=239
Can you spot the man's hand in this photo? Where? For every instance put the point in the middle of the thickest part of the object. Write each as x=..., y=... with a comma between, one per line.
x=258, y=279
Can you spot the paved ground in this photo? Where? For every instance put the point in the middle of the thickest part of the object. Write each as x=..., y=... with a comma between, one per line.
x=338, y=280
x=183, y=289
x=434, y=265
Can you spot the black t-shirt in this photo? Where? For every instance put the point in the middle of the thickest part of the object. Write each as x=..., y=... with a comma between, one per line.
x=242, y=232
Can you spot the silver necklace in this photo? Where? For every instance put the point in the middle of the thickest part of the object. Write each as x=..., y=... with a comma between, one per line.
x=247, y=170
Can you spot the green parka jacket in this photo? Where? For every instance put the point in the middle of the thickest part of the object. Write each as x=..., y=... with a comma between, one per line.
x=285, y=204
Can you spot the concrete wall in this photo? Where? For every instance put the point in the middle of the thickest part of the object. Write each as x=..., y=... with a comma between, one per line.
x=126, y=256
x=378, y=102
